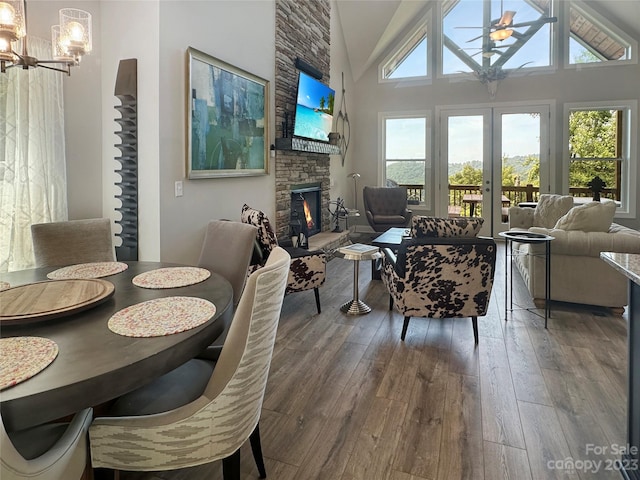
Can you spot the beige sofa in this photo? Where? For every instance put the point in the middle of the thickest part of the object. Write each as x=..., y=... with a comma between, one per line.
x=578, y=275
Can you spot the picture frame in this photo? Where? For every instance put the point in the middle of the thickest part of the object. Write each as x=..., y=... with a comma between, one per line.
x=227, y=119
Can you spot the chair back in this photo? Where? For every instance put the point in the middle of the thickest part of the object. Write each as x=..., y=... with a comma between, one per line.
x=65, y=460
x=72, y=242
x=226, y=250
x=385, y=200
x=443, y=277
x=266, y=236
x=238, y=383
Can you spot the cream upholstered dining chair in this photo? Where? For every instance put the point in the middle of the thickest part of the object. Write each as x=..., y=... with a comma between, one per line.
x=443, y=271
x=202, y=411
x=227, y=250
x=308, y=268
x=54, y=451
x=72, y=242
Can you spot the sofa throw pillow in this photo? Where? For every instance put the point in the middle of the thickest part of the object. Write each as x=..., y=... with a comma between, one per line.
x=589, y=217
x=423, y=226
x=550, y=208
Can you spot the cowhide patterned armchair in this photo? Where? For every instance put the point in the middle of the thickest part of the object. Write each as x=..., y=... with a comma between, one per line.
x=308, y=267
x=443, y=271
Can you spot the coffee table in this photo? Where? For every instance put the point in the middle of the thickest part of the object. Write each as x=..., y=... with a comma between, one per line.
x=392, y=239
x=521, y=236
x=357, y=252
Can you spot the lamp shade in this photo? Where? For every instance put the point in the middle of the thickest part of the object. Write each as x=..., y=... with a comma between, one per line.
x=12, y=25
x=75, y=32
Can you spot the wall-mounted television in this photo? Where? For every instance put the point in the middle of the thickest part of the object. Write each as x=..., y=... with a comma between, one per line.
x=314, y=109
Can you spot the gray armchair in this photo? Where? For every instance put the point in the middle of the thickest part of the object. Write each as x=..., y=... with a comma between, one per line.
x=386, y=207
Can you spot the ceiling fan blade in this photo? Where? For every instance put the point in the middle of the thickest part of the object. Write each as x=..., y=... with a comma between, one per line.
x=506, y=19
x=535, y=22
x=475, y=38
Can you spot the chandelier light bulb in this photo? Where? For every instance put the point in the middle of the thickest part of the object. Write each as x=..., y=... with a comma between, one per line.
x=75, y=32
x=7, y=15
x=11, y=20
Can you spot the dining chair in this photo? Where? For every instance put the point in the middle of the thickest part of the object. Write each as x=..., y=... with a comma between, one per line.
x=227, y=250
x=54, y=451
x=204, y=410
x=72, y=242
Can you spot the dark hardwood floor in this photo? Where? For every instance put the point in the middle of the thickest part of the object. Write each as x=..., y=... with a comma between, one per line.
x=346, y=399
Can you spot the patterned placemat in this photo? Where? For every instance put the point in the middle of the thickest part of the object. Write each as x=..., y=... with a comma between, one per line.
x=4, y=286
x=88, y=270
x=22, y=357
x=171, y=277
x=161, y=316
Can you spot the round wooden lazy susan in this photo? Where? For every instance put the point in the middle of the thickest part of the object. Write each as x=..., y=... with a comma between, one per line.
x=40, y=301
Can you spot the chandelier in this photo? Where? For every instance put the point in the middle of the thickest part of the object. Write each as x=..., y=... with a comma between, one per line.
x=70, y=40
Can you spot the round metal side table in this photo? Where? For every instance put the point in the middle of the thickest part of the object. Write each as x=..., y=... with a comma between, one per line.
x=521, y=236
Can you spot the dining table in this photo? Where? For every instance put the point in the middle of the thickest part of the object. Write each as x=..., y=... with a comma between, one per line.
x=94, y=364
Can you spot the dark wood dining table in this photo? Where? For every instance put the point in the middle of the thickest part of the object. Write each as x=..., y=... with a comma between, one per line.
x=95, y=365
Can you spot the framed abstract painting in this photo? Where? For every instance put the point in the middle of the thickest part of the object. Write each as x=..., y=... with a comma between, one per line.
x=227, y=119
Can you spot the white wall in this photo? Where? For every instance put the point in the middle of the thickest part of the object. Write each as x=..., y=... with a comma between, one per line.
x=130, y=29
x=242, y=34
x=563, y=86
x=341, y=185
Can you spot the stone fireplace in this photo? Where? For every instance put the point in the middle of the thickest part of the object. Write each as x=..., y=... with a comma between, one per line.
x=302, y=31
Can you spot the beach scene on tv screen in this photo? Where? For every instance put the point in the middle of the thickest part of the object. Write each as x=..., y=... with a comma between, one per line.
x=314, y=109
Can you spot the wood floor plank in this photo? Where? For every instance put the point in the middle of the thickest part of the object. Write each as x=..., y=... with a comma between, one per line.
x=461, y=454
x=505, y=463
x=328, y=455
x=419, y=445
x=400, y=374
x=373, y=454
x=500, y=416
x=528, y=381
x=579, y=424
x=547, y=446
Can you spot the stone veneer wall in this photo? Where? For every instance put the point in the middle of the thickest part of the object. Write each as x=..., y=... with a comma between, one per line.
x=302, y=30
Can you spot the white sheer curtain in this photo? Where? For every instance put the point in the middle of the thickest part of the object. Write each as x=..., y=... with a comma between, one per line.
x=33, y=185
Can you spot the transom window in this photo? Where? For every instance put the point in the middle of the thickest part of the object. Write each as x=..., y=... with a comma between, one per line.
x=595, y=40
x=411, y=59
x=509, y=34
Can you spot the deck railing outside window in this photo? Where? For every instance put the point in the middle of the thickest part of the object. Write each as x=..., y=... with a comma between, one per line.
x=516, y=195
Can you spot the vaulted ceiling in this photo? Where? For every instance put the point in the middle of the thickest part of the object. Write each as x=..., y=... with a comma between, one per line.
x=370, y=27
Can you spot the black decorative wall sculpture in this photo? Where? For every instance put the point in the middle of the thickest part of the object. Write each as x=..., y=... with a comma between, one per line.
x=127, y=92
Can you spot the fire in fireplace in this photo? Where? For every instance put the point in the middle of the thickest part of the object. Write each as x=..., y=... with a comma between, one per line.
x=306, y=213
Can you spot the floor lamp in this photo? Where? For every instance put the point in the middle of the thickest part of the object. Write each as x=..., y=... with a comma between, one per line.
x=355, y=177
